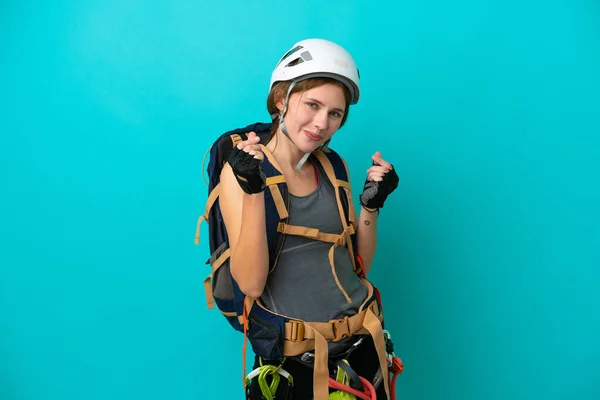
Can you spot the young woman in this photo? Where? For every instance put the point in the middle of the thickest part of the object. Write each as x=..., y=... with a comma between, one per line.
x=311, y=91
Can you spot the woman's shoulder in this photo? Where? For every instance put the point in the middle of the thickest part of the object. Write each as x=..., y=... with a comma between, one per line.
x=230, y=193
x=333, y=158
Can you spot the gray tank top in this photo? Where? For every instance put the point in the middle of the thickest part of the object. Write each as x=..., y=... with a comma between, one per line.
x=302, y=285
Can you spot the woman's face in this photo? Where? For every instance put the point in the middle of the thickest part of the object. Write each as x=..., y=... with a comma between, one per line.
x=314, y=115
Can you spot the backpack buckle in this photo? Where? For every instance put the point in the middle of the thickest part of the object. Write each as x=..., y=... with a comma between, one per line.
x=340, y=329
x=280, y=227
x=297, y=331
x=343, y=238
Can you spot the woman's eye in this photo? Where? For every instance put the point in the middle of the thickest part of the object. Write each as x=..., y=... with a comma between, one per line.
x=335, y=114
x=312, y=105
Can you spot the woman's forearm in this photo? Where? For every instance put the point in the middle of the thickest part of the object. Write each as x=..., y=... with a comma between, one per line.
x=366, y=237
x=250, y=258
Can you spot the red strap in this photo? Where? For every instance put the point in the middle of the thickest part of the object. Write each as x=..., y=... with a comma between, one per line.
x=396, y=369
x=368, y=394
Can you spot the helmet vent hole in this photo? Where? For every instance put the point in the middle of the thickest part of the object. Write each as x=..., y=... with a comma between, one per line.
x=295, y=62
x=289, y=53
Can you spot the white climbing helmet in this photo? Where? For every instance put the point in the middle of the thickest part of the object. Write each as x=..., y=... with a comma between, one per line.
x=312, y=58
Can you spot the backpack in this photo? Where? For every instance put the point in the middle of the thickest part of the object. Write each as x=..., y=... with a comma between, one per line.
x=274, y=336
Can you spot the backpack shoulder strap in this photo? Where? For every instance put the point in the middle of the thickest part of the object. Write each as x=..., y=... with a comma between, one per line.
x=337, y=172
x=275, y=182
x=276, y=205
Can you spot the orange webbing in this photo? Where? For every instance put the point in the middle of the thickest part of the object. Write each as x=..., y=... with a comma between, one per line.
x=321, y=370
x=235, y=139
x=332, y=263
x=348, y=187
x=351, y=211
x=311, y=233
x=210, y=300
x=244, y=348
x=209, y=203
x=219, y=261
x=373, y=325
x=274, y=180
x=326, y=164
x=272, y=183
x=299, y=339
x=279, y=203
x=271, y=158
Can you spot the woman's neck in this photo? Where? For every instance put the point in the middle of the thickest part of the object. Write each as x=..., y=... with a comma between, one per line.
x=285, y=152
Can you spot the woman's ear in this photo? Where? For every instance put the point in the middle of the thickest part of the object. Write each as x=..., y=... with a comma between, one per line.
x=279, y=102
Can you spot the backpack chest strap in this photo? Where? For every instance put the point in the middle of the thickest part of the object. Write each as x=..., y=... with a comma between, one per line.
x=341, y=239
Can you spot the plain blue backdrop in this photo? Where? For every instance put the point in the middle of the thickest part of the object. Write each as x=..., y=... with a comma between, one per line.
x=488, y=258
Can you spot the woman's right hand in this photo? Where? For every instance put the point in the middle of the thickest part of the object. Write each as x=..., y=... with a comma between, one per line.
x=245, y=160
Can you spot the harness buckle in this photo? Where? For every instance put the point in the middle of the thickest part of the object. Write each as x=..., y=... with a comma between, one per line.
x=297, y=332
x=280, y=227
x=343, y=238
x=340, y=329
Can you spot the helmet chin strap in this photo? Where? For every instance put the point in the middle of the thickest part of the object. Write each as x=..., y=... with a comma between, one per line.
x=302, y=161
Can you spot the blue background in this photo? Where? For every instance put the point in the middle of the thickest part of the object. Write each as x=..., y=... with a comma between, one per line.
x=489, y=254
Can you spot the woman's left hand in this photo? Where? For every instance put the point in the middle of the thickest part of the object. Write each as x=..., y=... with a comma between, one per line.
x=381, y=181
